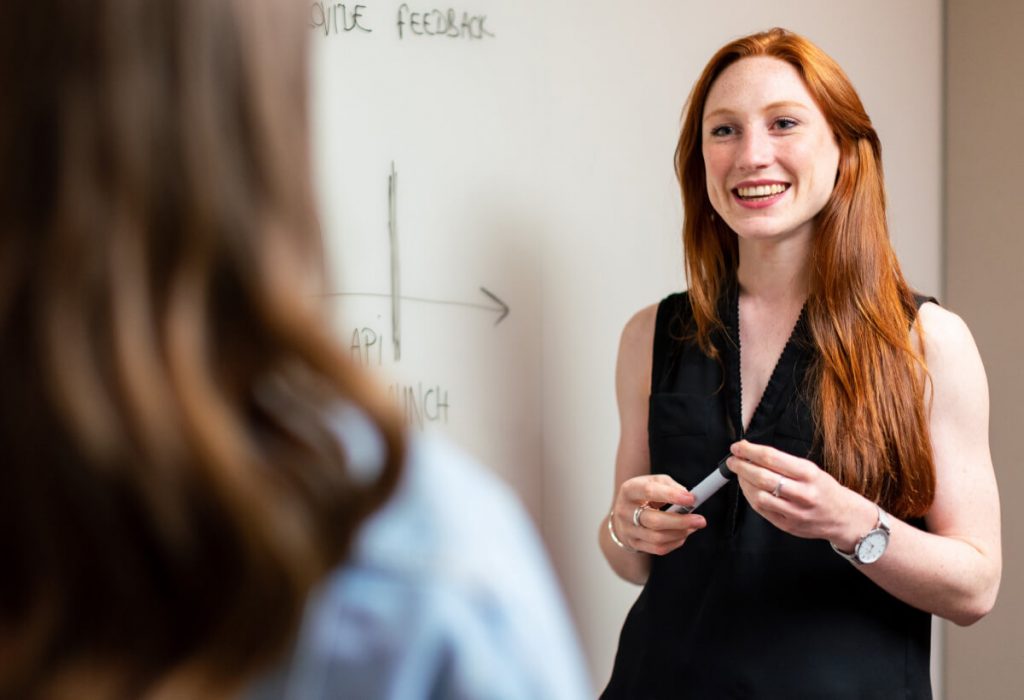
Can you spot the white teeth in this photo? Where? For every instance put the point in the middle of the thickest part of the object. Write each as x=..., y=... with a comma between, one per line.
x=761, y=190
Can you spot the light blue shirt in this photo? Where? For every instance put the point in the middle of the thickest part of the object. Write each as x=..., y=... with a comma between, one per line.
x=448, y=594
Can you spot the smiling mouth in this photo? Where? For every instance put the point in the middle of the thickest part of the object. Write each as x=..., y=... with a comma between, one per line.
x=759, y=193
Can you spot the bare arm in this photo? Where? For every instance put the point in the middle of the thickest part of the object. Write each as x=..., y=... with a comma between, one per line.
x=953, y=569
x=634, y=484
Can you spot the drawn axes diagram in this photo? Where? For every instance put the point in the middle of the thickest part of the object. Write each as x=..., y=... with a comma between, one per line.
x=493, y=304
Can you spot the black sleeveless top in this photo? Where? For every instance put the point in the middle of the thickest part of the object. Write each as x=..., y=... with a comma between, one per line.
x=742, y=609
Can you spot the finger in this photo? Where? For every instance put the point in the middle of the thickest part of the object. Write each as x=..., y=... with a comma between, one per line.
x=774, y=484
x=665, y=548
x=770, y=458
x=793, y=490
x=758, y=500
x=660, y=549
x=656, y=520
x=656, y=488
x=740, y=466
x=663, y=536
x=754, y=474
x=784, y=513
x=661, y=541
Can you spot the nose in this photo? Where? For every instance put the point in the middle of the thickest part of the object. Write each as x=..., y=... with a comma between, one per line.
x=755, y=151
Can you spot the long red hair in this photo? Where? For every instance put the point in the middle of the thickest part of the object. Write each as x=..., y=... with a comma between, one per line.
x=867, y=385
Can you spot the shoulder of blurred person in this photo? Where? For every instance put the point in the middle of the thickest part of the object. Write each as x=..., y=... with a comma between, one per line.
x=448, y=594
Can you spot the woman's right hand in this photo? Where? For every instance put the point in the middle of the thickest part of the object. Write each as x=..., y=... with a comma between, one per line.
x=634, y=484
x=658, y=532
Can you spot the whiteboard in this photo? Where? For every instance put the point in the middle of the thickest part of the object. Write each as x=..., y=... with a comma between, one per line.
x=429, y=156
x=516, y=156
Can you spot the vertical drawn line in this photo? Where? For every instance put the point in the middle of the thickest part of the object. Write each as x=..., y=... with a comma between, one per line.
x=396, y=328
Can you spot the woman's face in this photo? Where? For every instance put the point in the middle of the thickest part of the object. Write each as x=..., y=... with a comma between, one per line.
x=769, y=155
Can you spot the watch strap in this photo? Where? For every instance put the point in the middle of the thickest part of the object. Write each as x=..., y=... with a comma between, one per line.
x=848, y=556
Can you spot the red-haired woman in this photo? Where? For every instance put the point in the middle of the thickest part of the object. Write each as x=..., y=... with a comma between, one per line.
x=854, y=414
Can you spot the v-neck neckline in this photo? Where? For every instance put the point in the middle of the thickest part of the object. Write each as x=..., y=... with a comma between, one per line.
x=769, y=405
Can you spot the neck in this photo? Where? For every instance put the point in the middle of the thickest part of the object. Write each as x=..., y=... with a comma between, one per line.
x=776, y=272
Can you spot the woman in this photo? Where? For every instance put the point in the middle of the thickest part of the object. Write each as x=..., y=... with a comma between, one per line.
x=854, y=415
x=200, y=497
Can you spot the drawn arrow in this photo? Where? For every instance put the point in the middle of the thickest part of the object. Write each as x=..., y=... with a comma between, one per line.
x=395, y=295
x=502, y=309
x=503, y=305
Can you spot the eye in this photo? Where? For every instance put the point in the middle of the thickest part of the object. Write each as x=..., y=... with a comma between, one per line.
x=784, y=123
x=723, y=130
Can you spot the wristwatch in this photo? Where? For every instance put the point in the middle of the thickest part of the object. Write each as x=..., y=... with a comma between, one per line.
x=871, y=546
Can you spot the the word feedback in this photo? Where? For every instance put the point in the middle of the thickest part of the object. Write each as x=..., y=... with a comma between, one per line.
x=436, y=22
x=337, y=18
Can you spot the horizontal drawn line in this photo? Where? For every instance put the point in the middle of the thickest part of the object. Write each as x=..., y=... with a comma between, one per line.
x=501, y=307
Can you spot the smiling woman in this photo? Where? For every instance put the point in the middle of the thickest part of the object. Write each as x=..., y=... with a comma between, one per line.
x=770, y=156
x=854, y=414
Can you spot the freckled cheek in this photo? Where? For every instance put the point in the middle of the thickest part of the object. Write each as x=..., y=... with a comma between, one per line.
x=822, y=171
x=820, y=163
x=716, y=193
x=716, y=169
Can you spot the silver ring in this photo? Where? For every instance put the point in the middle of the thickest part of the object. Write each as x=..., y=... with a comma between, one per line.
x=778, y=488
x=636, y=514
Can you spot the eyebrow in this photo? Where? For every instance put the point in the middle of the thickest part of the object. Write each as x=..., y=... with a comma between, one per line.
x=774, y=105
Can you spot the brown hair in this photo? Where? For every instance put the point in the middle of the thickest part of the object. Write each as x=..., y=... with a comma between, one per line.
x=170, y=488
x=868, y=381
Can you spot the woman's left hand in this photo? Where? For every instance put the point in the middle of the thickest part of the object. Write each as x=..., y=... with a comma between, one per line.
x=797, y=496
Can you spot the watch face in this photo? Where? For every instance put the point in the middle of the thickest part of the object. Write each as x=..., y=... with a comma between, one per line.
x=872, y=546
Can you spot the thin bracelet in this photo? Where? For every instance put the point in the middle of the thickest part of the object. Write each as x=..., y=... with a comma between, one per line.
x=615, y=538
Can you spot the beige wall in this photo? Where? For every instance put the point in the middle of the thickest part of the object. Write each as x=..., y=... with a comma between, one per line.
x=985, y=285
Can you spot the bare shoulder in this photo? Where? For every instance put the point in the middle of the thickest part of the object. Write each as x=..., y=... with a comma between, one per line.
x=946, y=338
x=958, y=384
x=639, y=328
x=635, y=346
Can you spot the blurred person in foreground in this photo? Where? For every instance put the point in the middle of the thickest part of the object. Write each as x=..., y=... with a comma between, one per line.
x=201, y=496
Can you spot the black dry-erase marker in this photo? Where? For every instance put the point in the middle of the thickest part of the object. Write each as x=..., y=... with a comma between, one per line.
x=718, y=478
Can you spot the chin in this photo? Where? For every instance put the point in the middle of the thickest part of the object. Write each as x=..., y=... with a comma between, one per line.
x=765, y=231
x=757, y=233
